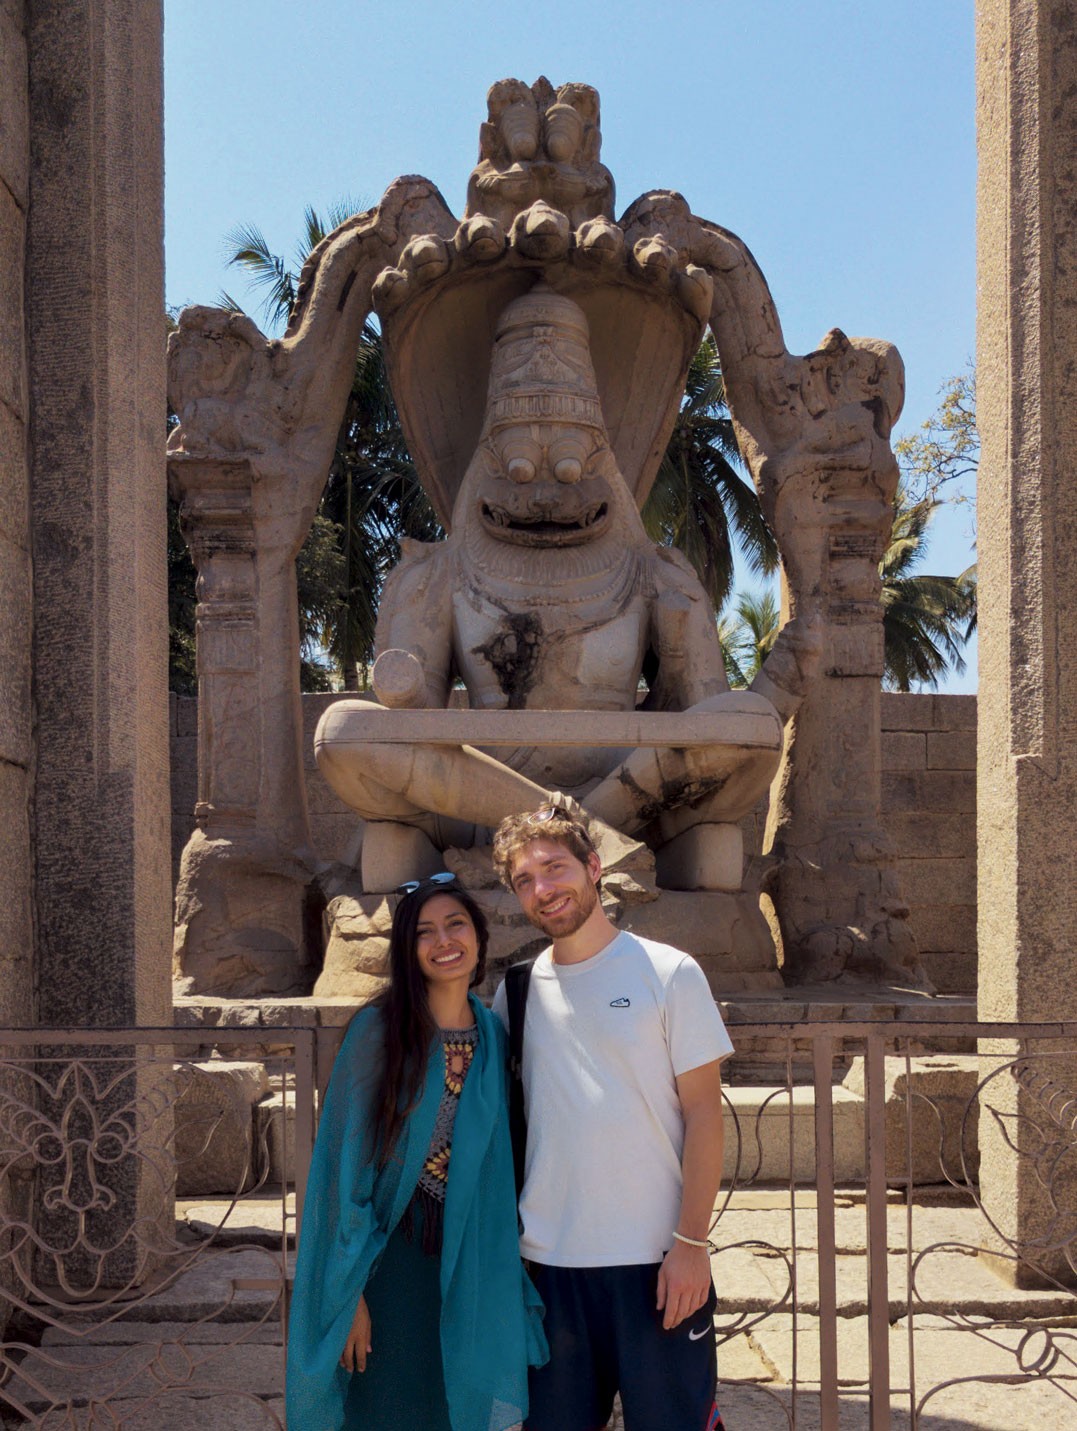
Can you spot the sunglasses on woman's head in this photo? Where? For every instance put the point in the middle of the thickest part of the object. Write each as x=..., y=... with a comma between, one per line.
x=411, y=885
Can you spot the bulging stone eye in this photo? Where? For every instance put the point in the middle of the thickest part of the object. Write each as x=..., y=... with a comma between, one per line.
x=521, y=469
x=569, y=469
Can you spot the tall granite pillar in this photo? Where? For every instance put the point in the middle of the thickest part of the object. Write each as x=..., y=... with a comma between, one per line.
x=16, y=917
x=16, y=924
x=1027, y=745
x=95, y=292
x=94, y=284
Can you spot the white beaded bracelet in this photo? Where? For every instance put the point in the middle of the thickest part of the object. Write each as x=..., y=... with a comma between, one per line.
x=690, y=1241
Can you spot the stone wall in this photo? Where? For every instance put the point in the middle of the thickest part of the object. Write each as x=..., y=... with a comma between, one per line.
x=929, y=803
x=929, y=812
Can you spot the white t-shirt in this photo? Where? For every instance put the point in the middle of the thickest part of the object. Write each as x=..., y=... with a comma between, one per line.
x=604, y=1042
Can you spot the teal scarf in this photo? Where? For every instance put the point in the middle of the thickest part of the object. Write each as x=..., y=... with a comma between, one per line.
x=491, y=1315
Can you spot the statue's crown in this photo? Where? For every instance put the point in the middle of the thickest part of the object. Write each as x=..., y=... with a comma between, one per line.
x=541, y=369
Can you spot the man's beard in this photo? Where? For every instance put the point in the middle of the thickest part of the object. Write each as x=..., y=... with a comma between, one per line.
x=573, y=918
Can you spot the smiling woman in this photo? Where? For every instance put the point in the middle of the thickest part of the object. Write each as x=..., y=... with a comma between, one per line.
x=417, y=1096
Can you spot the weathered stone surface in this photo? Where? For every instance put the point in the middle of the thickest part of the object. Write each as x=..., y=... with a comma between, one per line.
x=15, y=621
x=14, y=101
x=14, y=491
x=16, y=970
x=1026, y=417
x=215, y=1150
x=942, y=1350
x=903, y=750
x=945, y=791
x=208, y=1369
x=951, y=750
x=932, y=1096
x=259, y=1218
x=94, y=246
x=950, y=928
x=123, y=1332
x=905, y=711
x=770, y=1134
x=924, y=835
x=274, y=1121
x=206, y=1290
x=12, y=352
x=944, y=1280
x=951, y=972
x=941, y=881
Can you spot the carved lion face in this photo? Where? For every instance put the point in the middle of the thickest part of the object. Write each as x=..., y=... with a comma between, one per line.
x=545, y=484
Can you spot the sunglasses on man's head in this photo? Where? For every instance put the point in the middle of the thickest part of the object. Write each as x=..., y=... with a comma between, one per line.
x=411, y=885
x=539, y=817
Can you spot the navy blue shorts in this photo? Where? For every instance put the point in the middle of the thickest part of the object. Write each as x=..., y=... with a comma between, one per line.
x=606, y=1336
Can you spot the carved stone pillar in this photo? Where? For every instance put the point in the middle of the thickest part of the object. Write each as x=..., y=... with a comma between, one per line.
x=244, y=873
x=833, y=883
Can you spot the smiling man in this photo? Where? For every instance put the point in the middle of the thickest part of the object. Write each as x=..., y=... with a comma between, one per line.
x=622, y=1093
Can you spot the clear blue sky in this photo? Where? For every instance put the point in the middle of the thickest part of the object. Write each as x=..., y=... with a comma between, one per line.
x=836, y=138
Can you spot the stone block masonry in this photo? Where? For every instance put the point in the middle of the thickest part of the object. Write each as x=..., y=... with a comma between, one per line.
x=929, y=802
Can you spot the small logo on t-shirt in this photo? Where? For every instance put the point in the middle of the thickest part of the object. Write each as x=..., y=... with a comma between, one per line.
x=620, y=1003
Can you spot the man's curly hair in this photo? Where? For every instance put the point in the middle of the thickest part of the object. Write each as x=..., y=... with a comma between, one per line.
x=548, y=822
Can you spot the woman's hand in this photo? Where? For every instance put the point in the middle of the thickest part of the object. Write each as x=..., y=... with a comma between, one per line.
x=357, y=1348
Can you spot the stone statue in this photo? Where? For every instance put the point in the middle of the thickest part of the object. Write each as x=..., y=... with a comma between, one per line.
x=548, y=595
x=538, y=350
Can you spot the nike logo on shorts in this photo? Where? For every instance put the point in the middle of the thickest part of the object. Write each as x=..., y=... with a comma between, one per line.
x=621, y=1003
x=695, y=1336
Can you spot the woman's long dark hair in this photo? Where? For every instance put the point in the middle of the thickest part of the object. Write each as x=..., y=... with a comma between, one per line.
x=409, y=1025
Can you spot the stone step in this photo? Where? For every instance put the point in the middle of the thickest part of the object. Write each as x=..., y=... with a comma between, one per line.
x=57, y=1374
x=759, y=1277
x=168, y=1411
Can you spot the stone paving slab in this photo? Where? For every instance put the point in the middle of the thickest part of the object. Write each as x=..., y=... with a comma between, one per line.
x=205, y=1289
x=943, y=1280
x=971, y=1407
x=170, y=1412
x=130, y=1333
x=941, y=1350
x=740, y=1360
x=929, y=1225
x=56, y=1374
x=250, y=1220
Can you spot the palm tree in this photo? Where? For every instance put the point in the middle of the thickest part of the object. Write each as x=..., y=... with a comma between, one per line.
x=926, y=619
x=699, y=501
x=746, y=638
x=372, y=497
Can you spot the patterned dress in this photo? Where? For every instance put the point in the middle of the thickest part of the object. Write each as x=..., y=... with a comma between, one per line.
x=428, y=1202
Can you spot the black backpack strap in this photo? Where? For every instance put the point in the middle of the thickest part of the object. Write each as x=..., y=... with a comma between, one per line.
x=517, y=984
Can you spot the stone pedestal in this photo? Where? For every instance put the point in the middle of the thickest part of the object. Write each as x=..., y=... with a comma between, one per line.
x=1027, y=747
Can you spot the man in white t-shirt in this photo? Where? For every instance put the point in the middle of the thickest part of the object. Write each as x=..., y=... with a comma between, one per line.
x=622, y=1093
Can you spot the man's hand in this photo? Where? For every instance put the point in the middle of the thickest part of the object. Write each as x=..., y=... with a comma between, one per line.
x=357, y=1348
x=684, y=1283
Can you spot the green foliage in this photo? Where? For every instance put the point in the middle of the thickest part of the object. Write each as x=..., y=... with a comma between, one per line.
x=945, y=452
x=182, y=676
x=699, y=502
x=926, y=619
x=372, y=497
x=747, y=637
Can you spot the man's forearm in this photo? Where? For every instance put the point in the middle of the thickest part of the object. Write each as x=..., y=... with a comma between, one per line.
x=701, y=1167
